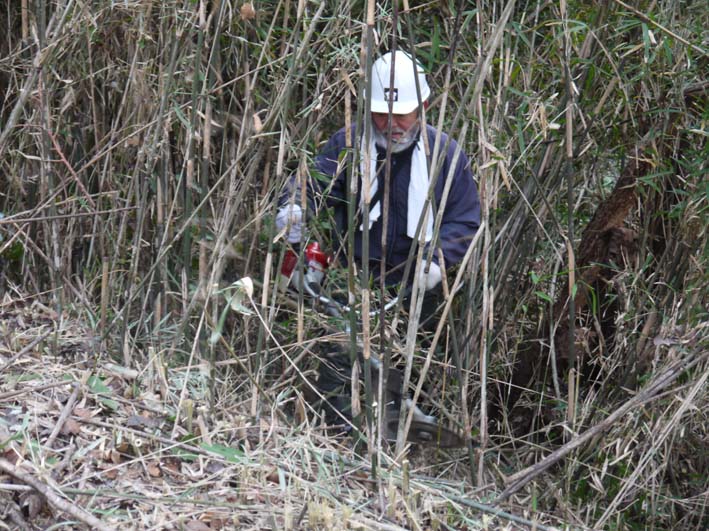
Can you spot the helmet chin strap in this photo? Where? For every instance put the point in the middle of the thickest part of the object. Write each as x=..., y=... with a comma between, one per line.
x=397, y=145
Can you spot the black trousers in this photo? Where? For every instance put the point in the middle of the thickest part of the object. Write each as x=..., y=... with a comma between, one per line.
x=334, y=374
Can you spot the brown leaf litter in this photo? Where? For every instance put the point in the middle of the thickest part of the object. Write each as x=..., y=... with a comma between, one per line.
x=106, y=451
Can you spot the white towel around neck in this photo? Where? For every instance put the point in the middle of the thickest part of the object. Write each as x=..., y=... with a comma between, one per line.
x=418, y=187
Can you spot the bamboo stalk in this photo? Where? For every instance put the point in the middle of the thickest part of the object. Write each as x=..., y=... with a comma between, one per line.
x=25, y=20
x=366, y=201
x=66, y=411
x=384, y=343
x=486, y=193
x=43, y=56
x=569, y=177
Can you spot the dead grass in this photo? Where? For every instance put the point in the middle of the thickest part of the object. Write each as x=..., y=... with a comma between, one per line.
x=118, y=455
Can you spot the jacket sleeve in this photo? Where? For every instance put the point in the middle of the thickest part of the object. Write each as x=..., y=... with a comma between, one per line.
x=328, y=180
x=325, y=183
x=461, y=217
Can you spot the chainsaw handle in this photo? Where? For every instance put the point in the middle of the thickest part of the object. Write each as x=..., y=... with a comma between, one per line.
x=335, y=306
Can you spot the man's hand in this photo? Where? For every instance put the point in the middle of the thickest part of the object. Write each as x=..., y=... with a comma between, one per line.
x=290, y=216
x=433, y=277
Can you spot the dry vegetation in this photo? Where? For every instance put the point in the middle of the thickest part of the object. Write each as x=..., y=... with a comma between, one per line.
x=142, y=147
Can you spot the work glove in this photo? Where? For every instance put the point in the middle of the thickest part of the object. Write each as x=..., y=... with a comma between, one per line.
x=290, y=216
x=433, y=277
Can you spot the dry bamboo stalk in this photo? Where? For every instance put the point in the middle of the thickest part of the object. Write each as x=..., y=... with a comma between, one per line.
x=303, y=188
x=73, y=173
x=37, y=389
x=206, y=153
x=366, y=201
x=104, y=294
x=14, y=219
x=43, y=55
x=286, y=16
x=25, y=21
x=569, y=149
x=487, y=191
x=454, y=288
x=441, y=209
x=183, y=391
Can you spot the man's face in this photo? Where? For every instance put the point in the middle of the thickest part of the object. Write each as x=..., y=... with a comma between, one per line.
x=401, y=124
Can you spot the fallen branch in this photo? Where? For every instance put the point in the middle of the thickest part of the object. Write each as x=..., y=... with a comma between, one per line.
x=521, y=478
x=60, y=503
x=68, y=408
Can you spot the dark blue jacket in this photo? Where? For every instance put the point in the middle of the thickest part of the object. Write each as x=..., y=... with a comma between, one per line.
x=461, y=217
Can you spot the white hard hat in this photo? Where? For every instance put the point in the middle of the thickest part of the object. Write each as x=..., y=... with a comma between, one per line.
x=402, y=93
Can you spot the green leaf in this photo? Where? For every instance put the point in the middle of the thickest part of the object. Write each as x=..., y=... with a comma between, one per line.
x=110, y=404
x=543, y=296
x=29, y=377
x=184, y=454
x=181, y=116
x=96, y=385
x=230, y=454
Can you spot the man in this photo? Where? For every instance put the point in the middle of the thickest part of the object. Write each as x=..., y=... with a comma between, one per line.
x=408, y=180
x=409, y=174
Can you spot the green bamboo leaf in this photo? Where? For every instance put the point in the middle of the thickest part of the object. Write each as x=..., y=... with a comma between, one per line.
x=232, y=455
x=543, y=296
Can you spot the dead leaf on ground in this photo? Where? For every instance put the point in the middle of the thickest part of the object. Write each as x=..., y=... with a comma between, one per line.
x=71, y=427
x=196, y=525
x=215, y=520
x=32, y=503
x=10, y=455
x=171, y=465
x=154, y=470
x=272, y=476
x=83, y=413
x=110, y=474
x=115, y=456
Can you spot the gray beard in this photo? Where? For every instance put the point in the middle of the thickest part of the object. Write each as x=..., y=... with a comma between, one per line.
x=397, y=146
